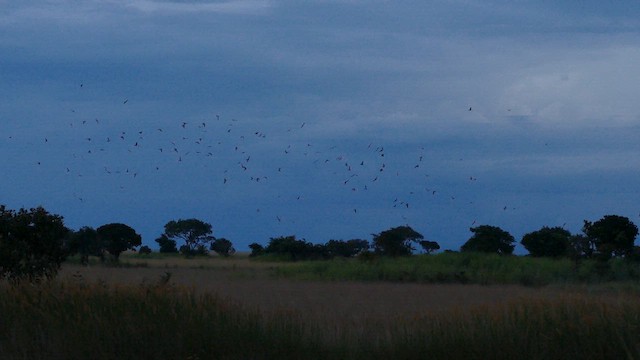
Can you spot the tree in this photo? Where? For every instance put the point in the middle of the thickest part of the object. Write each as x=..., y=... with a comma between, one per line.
x=549, y=242
x=349, y=248
x=429, y=246
x=195, y=234
x=85, y=243
x=144, y=250
x=222, y=247
x=396, y=241
x=256, y=249
x=117, y=238
x=166, y=245
x=490, y=239
x=294, y=249
x=612, y=235
x=31, y=243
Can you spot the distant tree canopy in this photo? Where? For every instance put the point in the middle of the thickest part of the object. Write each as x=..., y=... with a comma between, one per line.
x=85, y=243
x=222, y=247
x=166, y=245
x=612, y=235
x=117, y=238
x=549, y=242
x=349, y=248
x=396, y=241
x=490, y=239
x=429, y=246
x=144, y=250
x=195, y=234
x=294, y=249
x=31, y=243
x=256, y=249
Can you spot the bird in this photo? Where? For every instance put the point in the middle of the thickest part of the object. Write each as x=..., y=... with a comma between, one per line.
x=125, y=101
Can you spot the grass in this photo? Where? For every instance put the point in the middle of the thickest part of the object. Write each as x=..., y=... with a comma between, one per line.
x=472, y=268
x=161, y=321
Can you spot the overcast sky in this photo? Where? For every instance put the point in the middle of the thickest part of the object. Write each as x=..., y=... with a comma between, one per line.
x=324, y=119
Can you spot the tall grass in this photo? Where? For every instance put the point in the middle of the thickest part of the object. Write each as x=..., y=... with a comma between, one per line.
x=65, y=321
x=463, y=268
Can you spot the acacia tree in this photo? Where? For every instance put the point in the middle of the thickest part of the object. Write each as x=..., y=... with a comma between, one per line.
x=195, y=234
x=550, y=242
x=117, y=238
x=31, y=243
x=396, y=241
x=429, y=246
x=612, y=235
x=490, y=239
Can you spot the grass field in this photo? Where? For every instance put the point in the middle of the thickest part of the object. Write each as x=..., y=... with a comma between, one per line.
x=174, y=308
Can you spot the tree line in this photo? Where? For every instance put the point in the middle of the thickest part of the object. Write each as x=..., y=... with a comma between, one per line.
x=34, y=243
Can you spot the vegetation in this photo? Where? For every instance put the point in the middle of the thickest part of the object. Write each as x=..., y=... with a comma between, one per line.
x=550, y=242
x=195, y=233
x=396, y=241
x=466, y=268
x=490, y=239
x=31, y=243
x=85, y=243
x=117, y=238
x=612, y=235
x=222, y=247
x=159, y=321
x=166, y=245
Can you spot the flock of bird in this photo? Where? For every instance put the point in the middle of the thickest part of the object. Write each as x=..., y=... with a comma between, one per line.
x=286, y=161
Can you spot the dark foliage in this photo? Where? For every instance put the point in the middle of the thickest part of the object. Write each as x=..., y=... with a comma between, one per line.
x=195, y=234
x=612, y=235
x=85, y=243
x=144, y=250
x=31, y=243
x=549, y=242
x=429, y=246
x=489, y=239
x=256, y=249
x=396, y=241
x=166, y=245
x=117, y=238
x=294, y=249
x=222, y=247
x=349, y=248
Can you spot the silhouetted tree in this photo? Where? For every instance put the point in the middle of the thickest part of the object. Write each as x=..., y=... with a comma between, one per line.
x=31, y=243
x=612, y=235
x=550, y=242
x=396, y=241
x=222, y=247
x=490, y=239
x=429, y=246
x=117, y=238
x=166, y=245
x=294, y=249
x=349, y=248
x=195, y=234
x=144, y=250
x=85, y=243
x=256, y=249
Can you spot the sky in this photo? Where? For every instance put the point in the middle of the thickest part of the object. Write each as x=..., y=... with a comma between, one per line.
x=323, y=119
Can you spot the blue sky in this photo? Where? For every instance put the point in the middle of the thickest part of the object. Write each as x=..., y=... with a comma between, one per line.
x=322, y=119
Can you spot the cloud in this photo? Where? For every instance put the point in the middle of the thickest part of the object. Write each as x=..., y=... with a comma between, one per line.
x=227, y=7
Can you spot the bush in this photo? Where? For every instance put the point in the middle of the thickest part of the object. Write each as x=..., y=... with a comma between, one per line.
x=31, y=243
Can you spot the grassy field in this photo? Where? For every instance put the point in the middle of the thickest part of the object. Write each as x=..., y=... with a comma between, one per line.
x=174, y=308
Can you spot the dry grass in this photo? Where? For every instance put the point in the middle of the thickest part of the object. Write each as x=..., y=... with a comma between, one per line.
x=235, y=309
x=248, y=283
